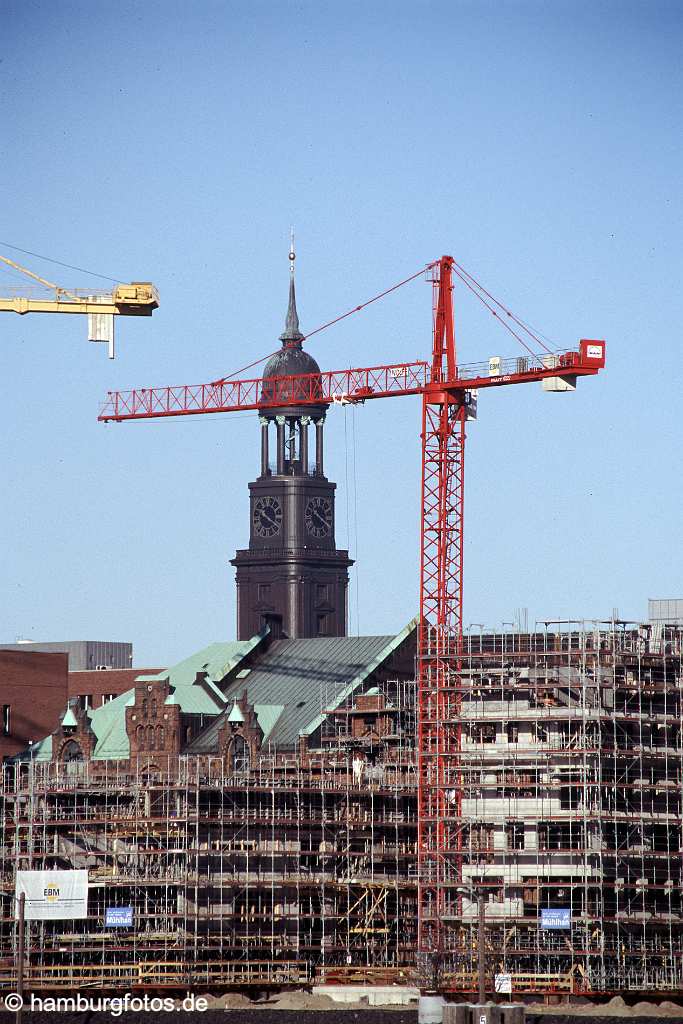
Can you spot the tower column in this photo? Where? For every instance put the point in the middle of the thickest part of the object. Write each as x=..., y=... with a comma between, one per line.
x=319, y=447
x=280, y=421
x=264, y=446
x=303, y=444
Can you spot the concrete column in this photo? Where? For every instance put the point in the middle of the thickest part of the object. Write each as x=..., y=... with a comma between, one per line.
x=280, y=421
x=264, y=445
x=319, y=447
x=303, y=443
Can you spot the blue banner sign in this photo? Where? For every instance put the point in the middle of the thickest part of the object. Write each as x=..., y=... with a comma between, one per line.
x=118, y=917
x=554, y=917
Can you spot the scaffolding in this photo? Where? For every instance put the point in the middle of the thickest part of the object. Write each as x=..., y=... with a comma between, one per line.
x=301, y=866
x=265, y=877
x=570, y=774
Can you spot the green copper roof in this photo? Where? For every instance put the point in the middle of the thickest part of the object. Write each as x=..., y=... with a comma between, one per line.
x=109, y=725
x=194, y=698
x=392, y=644
x=267, y=716
x=292, y=680
x=108, y=722
x=216, y=660
x=40, y=751
x=203, y=697
x=289, y=684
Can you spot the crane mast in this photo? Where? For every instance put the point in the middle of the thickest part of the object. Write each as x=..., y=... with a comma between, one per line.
x=446, y=388
x=440, y=628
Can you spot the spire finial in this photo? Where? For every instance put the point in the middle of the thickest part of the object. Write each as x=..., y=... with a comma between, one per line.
x=291, y=334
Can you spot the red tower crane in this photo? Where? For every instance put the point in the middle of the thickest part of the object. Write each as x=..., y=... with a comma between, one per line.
x=446, y=390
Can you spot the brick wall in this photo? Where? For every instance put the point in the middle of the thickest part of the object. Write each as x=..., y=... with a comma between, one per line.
x=100, y=684
x=34, y=687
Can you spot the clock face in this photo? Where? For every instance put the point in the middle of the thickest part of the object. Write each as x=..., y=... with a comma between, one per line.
x=267, y=517
x=318, y=517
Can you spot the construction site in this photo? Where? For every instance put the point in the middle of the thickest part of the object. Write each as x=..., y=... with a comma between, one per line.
x=448, y=809
x=258, y=869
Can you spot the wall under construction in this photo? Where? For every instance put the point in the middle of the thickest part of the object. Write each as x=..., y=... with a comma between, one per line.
x=255, y=877
x=302, y=866
x=571, y=763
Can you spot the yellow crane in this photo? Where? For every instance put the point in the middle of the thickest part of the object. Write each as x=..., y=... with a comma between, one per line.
x=139, y=298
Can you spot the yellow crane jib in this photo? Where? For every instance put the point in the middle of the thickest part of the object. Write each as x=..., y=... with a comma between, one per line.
x=139, y=298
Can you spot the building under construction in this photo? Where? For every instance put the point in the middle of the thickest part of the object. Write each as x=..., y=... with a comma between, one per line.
x=256, y=807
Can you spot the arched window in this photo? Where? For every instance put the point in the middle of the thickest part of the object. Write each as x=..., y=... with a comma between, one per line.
x=239, y=754
x=160, y=737
x=71, y=751
x=72, y=756
x=150, y=737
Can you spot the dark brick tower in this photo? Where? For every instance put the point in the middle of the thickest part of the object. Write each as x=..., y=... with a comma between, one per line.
x=292, y=577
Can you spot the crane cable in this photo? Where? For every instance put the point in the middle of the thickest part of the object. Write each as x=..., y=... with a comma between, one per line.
x=466, y=278
x=69, y=266
x=343, y=316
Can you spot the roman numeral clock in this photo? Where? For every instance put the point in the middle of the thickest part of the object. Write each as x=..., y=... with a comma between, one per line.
x=267, y=517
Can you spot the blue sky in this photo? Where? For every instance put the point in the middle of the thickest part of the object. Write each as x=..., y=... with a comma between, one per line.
x=538, y=143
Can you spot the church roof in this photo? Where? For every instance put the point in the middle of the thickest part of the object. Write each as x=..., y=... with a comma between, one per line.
x=215, y=662
x=294, y=680
x=108, y=722
x=289, y=683
x=195, y=697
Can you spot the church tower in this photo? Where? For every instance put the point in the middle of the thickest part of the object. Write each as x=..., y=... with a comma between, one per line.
x=292, y=577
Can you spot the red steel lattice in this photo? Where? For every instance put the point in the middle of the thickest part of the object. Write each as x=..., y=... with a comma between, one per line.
x=440, y=627
x=444, y=387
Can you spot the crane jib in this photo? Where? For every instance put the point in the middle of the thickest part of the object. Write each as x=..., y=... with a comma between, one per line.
x=342, y=387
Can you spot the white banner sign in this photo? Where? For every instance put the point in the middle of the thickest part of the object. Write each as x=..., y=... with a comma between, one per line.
x=53, y=895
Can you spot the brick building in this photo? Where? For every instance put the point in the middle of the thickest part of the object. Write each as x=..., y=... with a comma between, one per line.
x=83, y=654
x=33, y=694
x=92, y=689
x=36, y=685
x=256, y=807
